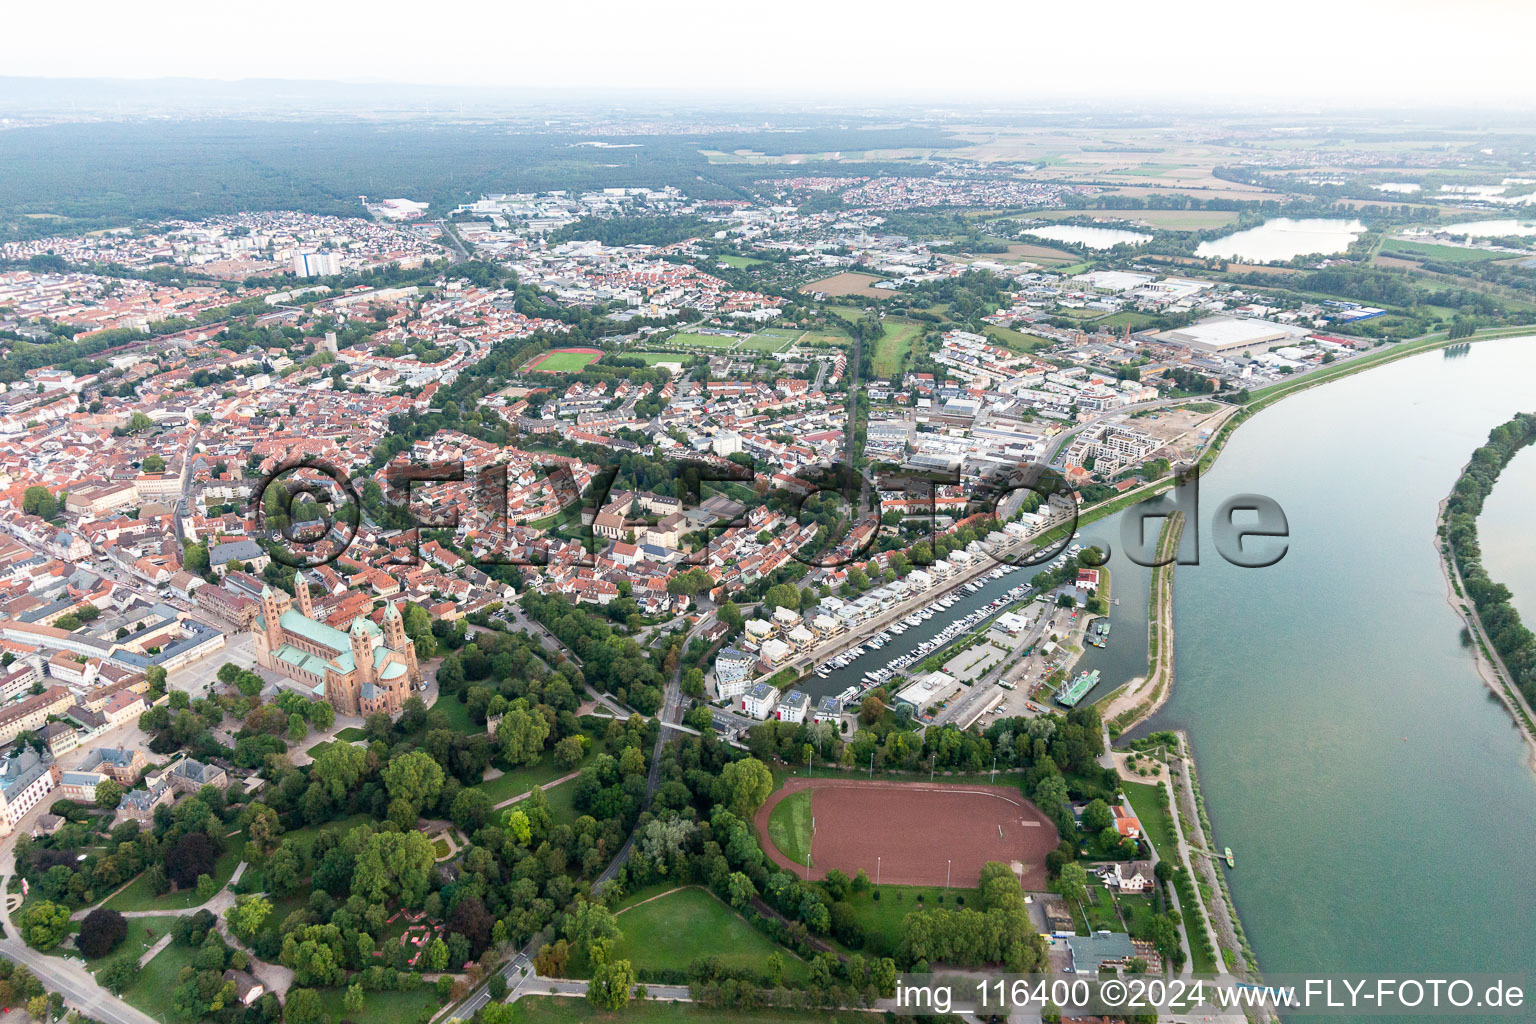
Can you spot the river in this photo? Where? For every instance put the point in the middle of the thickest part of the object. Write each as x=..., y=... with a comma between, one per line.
x=1376, y=795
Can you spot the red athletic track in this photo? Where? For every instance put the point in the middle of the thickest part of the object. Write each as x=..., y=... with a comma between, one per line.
x=916, y=829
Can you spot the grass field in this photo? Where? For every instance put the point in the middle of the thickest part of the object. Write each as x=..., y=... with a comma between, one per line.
x=789, y=826
x=672, y=931
x=652, y=358
x=457, y=714
x=840, y=339
x=891, y=350
x=765, y=342
x=1136, y=321
x=350, y=734
x=566, y=361
x=1018, y=341
x=1147, y=802
x=139, y=895
x=143, y=932
x=882, y=917
x=1438, y=253
x=688, y=339
x=554, y=1010
x=741, y=262
x=384, y=1005
x=158, y=981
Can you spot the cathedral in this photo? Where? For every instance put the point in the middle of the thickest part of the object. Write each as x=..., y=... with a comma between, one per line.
x=360, y=671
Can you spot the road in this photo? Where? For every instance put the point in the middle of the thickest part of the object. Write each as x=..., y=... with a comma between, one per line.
x=66, y=977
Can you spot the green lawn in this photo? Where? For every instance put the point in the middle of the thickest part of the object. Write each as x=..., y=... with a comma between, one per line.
x=555, y=1010
x=882, y=917
x=767, y=343
x=741, y=262
x=562, y=803
x=672, y=931
x=458, y=715
x=560, y=361
x=143, y=932
x=1439, y=253
x=521, y=780
x=789, y=826
x=688, y=338
x=351, y=734
x=1146, y=801
x=839, y=339
x=140, y=895
x=652, y=358
x=892, y=348
x=1017, y=341
x=159, y=979
x=394, y=1007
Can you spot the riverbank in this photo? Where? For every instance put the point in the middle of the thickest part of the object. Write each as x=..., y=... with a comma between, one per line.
x=1485, y=656
x=1139, y=699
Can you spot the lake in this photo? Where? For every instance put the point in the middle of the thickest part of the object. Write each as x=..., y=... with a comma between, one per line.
x=1283, y=239
x=1486, y=228
x=1376, y=795
x=1093, y=238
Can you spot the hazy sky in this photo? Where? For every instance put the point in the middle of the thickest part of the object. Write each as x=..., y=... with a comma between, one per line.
x=1345, y=51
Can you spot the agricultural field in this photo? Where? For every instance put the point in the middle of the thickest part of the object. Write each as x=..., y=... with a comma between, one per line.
x=672, y=930
x=892, y=349
x=846, y=283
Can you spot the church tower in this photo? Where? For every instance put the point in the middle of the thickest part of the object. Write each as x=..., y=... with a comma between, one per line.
x=394, y=628
x=301, y=590
x=362, y=652
x=271, y=612
x=396, y=640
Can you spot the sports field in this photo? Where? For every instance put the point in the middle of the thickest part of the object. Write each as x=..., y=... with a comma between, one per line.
x=566, y=360
x=789, y=826
x=691, y=340
x=913, y=833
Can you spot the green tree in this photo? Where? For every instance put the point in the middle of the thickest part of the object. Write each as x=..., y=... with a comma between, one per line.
x=352, y=1002
x=153, y=463
x=108, y=794
x=338, y=766
x=611, y=981
x=521, y=734
x=248, y=914
x=414, y=778
x=304, y=1007
x=38, y=501
x=44, y=924
x=1097, y=816
x=1072, y=883
x=744, y=785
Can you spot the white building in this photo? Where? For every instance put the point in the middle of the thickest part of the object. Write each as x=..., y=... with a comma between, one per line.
x=927, y=691
x=24, y=780
x=733, y=672
x=793, y=707
x=759, y=700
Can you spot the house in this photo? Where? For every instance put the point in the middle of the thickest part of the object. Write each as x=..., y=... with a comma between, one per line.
x=1131, y=876
x=247, y=988
x=121, y=764
x=1126, y=823
x=139, y=804
x=759, y=700
x=189, y=776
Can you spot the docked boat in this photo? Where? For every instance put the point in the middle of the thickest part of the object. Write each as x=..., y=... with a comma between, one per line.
x=1070, y=694
x=1231, y=861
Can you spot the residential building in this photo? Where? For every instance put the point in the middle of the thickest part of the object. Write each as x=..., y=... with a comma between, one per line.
x=25, y=779
x=759, y=700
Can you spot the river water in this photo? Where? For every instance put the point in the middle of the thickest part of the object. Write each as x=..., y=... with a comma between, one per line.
x=1376, y=795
